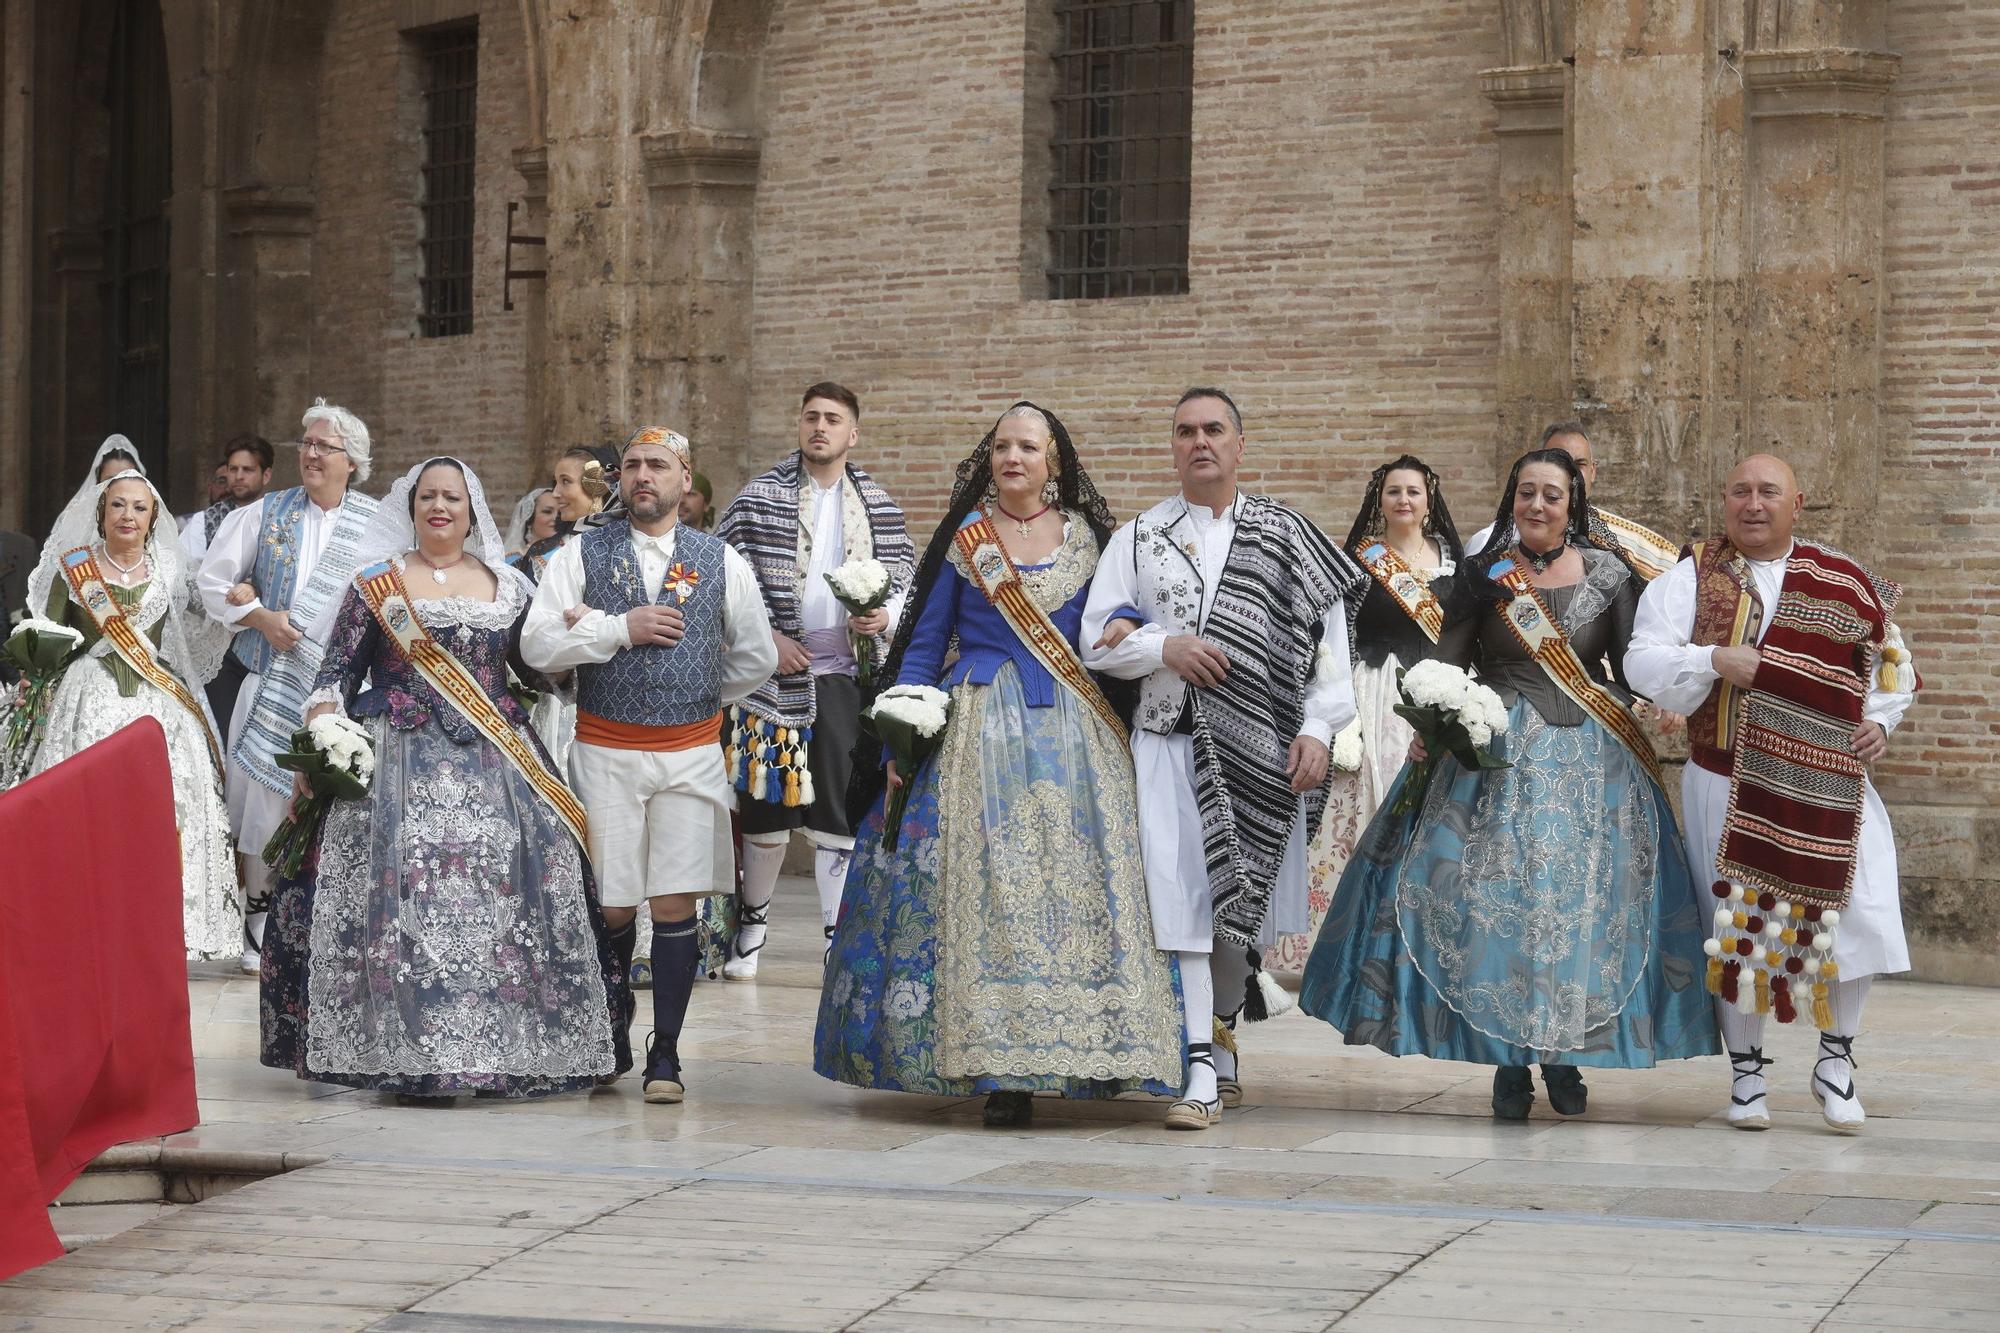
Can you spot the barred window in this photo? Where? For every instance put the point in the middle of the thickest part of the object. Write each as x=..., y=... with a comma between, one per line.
x=1122, y=148
x=449, y=60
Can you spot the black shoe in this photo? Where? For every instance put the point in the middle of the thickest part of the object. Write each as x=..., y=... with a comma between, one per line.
x=1564, y=1083
x=1513, y=1092
x=662, y=1084
x=1008, y=1110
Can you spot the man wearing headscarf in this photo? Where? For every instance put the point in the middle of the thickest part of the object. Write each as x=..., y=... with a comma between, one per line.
x=663, y=626
x=798, y=523
x=274, y=567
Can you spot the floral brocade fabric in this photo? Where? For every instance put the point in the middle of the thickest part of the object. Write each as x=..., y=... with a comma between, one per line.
x=1005, y=942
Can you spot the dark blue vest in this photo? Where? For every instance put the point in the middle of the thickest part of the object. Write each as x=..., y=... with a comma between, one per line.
x=651, y=686
x=275, y=571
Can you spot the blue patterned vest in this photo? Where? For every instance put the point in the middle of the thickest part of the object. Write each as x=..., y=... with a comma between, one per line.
x=651, y=686
x=274, y=573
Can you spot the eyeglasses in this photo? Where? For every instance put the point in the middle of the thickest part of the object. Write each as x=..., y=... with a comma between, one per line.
x=317, y=448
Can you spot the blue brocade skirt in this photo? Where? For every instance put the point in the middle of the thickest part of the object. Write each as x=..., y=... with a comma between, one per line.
x=1541, y=913
x=1004, y=943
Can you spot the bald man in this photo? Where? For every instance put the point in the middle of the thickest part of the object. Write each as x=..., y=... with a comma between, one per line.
x=1783, y=654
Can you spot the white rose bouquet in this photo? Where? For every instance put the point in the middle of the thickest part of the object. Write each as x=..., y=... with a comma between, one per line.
x=1452, y=714
x=910, y=719
x=861, y=586
x=337, y=760
x=40, y=649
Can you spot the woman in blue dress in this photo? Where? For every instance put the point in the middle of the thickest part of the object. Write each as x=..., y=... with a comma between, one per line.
x=1003, y=945
x=1541, y=913
x=443, y=935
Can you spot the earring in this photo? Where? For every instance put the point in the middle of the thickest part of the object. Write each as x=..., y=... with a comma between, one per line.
x=1051, y=493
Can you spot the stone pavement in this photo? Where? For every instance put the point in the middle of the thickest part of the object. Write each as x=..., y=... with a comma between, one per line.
x=1352, y=1191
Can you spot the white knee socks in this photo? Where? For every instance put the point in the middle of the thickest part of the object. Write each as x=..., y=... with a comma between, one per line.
x=1198, y=1000
x=830, y=877
x=761, y=863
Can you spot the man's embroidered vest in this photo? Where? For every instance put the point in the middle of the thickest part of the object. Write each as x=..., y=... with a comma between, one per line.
x=274, y=573
x=1169, y=593
x=651, y=686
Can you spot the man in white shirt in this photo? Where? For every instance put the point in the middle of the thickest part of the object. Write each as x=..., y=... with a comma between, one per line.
x=1699, y=644
x=1218, y=603
x=276, y=567
x=664, y=626
x=797, y=523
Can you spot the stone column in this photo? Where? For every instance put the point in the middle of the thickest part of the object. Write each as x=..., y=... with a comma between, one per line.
x=1813, y=366
x=694, y=347
x=266, y=349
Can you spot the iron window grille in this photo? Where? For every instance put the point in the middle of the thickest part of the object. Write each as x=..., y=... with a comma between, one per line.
x=450, y=61
x=1122, y=151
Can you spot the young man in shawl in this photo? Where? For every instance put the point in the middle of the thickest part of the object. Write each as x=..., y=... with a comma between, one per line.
x=791, y=743
x=1649, y=554
x=276, y=567
x=663, y=626
x=1230, y=610
x=1783, y=653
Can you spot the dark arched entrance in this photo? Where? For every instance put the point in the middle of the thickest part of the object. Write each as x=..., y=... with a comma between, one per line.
x=138, y=180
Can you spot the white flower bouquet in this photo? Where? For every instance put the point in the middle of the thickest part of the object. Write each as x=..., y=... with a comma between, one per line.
x=861, y=586
x=40, y=649
x=337, y=759
x=1452, y=714
x=910, y=720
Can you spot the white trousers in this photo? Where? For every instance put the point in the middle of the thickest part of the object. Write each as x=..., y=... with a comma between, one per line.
x=659, y=821
x=1869, y=940
x=1177, y=871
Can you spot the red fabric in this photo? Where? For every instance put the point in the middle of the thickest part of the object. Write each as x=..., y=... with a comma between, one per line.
x=95, y=1047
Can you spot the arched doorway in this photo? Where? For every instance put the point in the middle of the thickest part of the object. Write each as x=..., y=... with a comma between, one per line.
x=138, y=179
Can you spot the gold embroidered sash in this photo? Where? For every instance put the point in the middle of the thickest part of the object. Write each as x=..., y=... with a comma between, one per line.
x=382, y=589
x=1528, y=618
x=79, y=567
x=995, y=576
x=1404, y=585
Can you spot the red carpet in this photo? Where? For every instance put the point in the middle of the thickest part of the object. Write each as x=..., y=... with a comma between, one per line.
x=94, y=1044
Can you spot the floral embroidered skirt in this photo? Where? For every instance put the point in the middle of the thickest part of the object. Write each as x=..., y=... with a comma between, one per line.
x=1004, y=943
x=443, y=936
x=1541, y=913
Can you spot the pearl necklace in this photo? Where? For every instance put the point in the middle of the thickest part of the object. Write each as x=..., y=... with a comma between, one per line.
x=127, y=570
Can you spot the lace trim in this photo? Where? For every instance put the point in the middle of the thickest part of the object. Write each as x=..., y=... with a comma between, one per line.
x=1603, y=574
x=473, y=612
x=1065, y=573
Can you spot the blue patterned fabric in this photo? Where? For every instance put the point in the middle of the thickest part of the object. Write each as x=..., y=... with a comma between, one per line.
x=652, y=686
x=274, y=573
x=1542, y=913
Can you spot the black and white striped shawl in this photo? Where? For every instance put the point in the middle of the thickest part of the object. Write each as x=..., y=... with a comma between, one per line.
x=1283, y=578
x=763, y=522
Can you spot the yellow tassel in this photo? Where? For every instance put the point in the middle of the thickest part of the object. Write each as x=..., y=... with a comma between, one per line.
x=1763, y=993
x=1225, y=1037
x=1715, y=976
x=1822, y=1008
x=791, y=787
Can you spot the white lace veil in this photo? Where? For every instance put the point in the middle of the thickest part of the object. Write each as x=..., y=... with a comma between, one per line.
x=524, y=513
x=392, y=532
x=194, y=650
x=78, y=516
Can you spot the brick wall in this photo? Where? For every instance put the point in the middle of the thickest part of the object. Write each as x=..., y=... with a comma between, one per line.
x=1341, y=260
x=1941, y=393
x=463, y=395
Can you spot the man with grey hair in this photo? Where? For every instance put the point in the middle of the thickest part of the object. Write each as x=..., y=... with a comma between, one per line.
x=273, y=568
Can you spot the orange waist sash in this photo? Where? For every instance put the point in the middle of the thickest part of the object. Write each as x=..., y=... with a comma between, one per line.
x=602, y=731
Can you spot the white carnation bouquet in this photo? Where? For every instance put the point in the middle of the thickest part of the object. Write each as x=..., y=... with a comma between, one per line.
x=910, y=719
x=861, y=586
x=1451, y=714
x=337, y=759
x=41, y=650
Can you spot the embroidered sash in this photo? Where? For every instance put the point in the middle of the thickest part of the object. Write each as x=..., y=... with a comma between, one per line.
x=1527, y=618
x=79, y=567
x=382, y=589
x=1727, y=614
x=1405, y=586
x=1650, y=553
x=993, y=573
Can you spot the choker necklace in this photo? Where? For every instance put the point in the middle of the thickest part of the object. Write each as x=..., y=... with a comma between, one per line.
x=1540, y=561
x=437, y=570
x=127, y=570
x=1021, y=524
